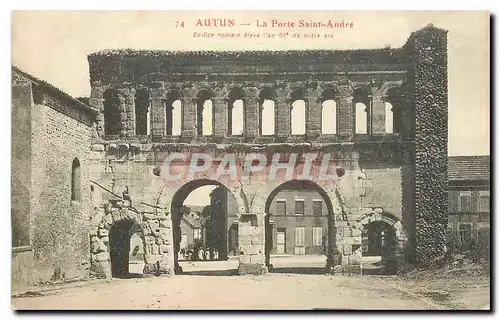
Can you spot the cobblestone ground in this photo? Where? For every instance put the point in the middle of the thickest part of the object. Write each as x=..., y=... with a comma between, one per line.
x=297, y=284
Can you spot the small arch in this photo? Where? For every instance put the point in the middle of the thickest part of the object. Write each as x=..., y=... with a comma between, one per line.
x=75, y=180
x=204, y=113
x=176, y=118
x=361, y=103
x=361, y=115
x=267, y=98
x=298, y=112
x=329, y=117
x=394, y=236
x=111, y=112
x=394, y=115
x=328, y=111
x=120, y=234
x=235, y=111
x=173, y=114
x=298, y=116
x=142, y=114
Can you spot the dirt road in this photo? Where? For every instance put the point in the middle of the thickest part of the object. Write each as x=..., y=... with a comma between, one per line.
x=298, y=284
x=276, y=291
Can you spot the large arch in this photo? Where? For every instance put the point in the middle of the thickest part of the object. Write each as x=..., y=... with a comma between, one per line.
x=177, y=199
x=329, y=191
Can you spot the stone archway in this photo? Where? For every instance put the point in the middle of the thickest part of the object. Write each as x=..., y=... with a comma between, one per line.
x=156, y=238
x=344, y=253
x=393, y=256
x=176, y=196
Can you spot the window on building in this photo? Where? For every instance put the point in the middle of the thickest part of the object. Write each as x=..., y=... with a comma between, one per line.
x=197, y=233
x=174, y=118
x=299, y=207
x=449, y=229
x=75, y=180
x=465, y=232
x=236, y=124
x=111, y=112
x=383, y=238
x=300, y=236
x=465, y=201
x=389, y=118
x=298, y=115
x=204, y=113
x=142, y=115
x=184, y=241
x=484, y=201
x=318, y=207
x=267, y=118
x=207, y=118
x=317, y=236
x=361, y=119
x=329, y=117
x=280, y=207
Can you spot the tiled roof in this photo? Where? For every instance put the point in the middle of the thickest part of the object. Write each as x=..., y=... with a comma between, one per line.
x=469, y=168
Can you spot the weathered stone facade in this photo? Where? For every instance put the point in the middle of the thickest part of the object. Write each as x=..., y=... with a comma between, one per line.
x=50, y=131
x=401, y=173
x=88, y=172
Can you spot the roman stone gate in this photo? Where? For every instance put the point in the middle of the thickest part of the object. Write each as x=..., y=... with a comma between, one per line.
x=367, y=129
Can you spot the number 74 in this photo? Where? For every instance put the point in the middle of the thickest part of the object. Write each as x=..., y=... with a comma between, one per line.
x=179, y=24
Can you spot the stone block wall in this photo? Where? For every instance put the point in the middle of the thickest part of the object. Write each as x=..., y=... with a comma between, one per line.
x=59, y=226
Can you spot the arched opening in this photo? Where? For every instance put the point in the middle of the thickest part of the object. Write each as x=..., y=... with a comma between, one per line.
x=381, y=241
x=235, y=124
x=267, y=112
x=298, y=117
x=361, y=104
x=111, y=112
x=142, y=115
x=176, y=118
x=204, y=221
x=393, y=118
x=122, y=234
x=298, y=113
x=299, y=216
x=75, y=180
x=329, y=117
x=361, y=124
x=173, y=114
x=328, y=112
x=204, y=113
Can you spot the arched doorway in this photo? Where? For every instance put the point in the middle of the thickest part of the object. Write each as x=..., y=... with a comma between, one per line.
x=382, y=242
x=119, y=232
x=204, y=214
x=120, y=249
x=299, y=224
